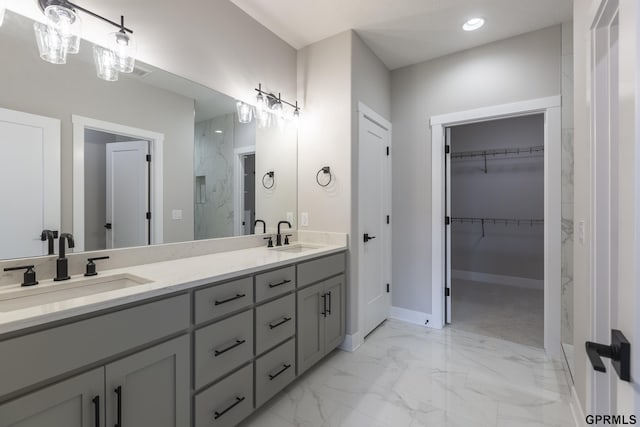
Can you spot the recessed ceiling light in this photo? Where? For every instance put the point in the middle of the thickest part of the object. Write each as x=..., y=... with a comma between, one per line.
x=473, y=24
x=218, y=131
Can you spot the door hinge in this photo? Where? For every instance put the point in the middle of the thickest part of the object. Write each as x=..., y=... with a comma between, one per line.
x=148, y=215
x=388, y=150
x=388, y=288
x=447, y=292
x=148, y=157
x=447, y=220
x=388, y=219
x=447, y=149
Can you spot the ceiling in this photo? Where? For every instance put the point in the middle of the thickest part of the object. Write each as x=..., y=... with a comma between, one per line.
x=405, y=32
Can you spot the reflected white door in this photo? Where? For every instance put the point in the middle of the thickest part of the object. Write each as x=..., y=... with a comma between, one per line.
x=127, y=194
x=447, y=241
x=30, y=182
x=374, y=205
x=615, y=180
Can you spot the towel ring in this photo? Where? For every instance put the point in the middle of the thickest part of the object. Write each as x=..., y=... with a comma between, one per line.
x=270, y=174
x=326, y=170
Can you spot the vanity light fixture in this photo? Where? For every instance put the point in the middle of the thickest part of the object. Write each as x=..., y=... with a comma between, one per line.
x=473, y=24
x=271, y=109
x=59, y=36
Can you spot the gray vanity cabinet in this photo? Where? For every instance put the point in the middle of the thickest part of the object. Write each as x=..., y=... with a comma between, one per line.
x=70, y=403
x=153, y=387
x=321, y=320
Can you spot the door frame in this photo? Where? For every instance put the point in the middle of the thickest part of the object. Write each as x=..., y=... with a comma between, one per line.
x=156, y=141
x=238, y=186
x=551, y=108
x=366, y=113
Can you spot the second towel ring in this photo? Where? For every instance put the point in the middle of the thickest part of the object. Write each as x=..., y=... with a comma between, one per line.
x=326, y=170
x=270, y=174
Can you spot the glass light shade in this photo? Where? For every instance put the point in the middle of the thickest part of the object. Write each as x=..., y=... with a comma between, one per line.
x=124, y=47
x=245, y=112
x=106, y=63
x=51, y=45
x=2, y=11
x=278, y=114
x=264, y=118
x=67, y=23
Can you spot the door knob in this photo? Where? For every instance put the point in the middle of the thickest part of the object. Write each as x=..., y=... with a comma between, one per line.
x=619, y=352
x=108, y=226
x=367, y=237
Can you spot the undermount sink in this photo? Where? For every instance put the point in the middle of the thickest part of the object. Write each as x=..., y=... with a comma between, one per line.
x=17, y=299
x=296, y=248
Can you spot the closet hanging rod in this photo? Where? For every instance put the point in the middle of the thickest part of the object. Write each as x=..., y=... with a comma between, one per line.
x=505, y=221
x=499, y=152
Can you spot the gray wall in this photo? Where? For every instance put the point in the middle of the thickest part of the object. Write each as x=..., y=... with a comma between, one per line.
x=511, y=188
x=34, y=86
x=520, y=68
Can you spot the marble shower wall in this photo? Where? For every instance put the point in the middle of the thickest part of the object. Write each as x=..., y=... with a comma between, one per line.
x=567, y=183
x=214, y=145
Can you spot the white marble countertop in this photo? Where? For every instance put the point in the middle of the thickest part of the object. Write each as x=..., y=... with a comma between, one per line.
x=165, y=278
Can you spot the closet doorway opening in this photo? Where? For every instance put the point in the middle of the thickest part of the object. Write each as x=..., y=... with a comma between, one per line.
x=495, y=204
x=550, y=111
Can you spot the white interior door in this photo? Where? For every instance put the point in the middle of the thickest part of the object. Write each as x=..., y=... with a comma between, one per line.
x=614, y=183
x=30, y=173
x=374, y=231
x=127, y=194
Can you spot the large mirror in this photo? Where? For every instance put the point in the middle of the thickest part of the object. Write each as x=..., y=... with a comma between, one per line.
x=151, y=158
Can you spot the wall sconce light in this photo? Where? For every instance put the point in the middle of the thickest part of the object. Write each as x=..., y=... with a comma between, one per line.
x=59, y=36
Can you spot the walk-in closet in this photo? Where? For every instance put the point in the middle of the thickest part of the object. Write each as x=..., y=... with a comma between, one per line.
x=496, y=196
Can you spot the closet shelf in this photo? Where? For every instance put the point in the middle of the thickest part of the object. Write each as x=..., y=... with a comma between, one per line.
x=498, y=153
x=498, y=221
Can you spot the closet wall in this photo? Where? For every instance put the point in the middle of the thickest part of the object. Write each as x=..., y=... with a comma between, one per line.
x=511, y=188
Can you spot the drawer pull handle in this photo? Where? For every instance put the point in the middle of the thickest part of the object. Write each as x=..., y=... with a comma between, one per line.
x=329, y=309
x=324, y=305
x=224, y=301
x=238, y=401
x=231, y=347
x=282, y=322
x=118, y=392
x=275, y=285
x=96, y=407
x=284, y=368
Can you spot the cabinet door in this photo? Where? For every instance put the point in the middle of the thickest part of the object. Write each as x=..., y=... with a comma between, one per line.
x=77, y=402
x=310, y=326
x=335, y=322
x=150, y=388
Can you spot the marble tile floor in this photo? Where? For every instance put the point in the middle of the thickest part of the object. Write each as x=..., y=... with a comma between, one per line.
x=499, y=311
x=407, y=375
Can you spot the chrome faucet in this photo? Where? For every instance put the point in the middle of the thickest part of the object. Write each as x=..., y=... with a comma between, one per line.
x=279, y=236
x=62, y=263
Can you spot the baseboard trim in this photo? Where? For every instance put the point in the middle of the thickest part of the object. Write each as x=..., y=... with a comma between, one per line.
x=352, y=342
x=519, y=282
x=576, y=408
x=415, y=317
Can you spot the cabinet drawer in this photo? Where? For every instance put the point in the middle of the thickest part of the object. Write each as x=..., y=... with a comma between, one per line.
x=223, y=346
x=275, y=322
x=319, y=269
x=274, y=371
x=223, y=299
x=274, y=283
x=52, y=352
x=226, y=403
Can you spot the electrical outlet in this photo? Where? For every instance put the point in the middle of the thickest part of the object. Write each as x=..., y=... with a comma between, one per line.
x=176, y=214
x=290, y=217
x=581, y=232
x=304, y=219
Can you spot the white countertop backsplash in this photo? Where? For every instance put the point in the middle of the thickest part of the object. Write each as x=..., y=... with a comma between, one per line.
x=177, y=270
